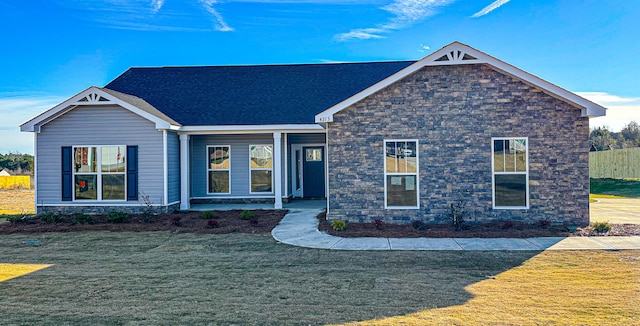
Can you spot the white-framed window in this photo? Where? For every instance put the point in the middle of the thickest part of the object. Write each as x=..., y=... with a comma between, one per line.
x=219, y=169
x=261, y=168
x=99, y=172
x=510, y=177
x=401, y=184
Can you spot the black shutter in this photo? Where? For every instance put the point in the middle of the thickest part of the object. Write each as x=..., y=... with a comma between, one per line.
x=67, y=173
x=132, y=172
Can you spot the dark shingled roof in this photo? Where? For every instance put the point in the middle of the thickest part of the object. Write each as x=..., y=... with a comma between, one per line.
x=251, y=95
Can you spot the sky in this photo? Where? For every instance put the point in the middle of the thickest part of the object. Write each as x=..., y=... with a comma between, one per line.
x=51, y=50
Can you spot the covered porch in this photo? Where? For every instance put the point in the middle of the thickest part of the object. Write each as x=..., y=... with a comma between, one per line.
x=245, y=168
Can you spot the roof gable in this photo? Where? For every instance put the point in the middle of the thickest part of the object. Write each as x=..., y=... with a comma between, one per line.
x=457, y=54
x=93, y=96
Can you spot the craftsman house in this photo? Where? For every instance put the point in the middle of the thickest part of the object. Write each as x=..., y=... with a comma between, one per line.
x=397, y=141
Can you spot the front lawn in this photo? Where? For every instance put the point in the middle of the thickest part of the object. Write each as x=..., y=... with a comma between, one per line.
x=160, y=278
x=613, y=188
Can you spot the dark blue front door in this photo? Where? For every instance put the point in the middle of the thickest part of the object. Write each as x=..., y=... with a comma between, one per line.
x=313, y=172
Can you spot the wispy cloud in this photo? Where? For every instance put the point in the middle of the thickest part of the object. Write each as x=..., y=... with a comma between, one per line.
x=405, y=13
x=156, y=5
x=493, y=6
x=220, y=24
x=16, y=109
x=620, y=110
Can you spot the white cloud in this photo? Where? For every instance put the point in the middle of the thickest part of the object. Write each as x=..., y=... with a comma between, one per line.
x=156, y=5
x=220, y=24
x=15, y=109
x=406, y=13
x=493, y=6
x=620, y=110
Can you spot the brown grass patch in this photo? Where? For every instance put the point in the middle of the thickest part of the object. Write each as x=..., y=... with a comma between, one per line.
x=16, y=201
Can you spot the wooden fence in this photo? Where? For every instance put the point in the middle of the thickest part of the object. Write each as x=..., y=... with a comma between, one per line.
x=615, y=164
x=15, y=182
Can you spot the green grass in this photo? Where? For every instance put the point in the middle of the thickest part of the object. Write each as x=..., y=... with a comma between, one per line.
x=159, y=278
x=616, y=187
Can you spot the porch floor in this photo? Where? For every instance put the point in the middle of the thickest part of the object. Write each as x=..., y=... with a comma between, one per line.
x=294, y=204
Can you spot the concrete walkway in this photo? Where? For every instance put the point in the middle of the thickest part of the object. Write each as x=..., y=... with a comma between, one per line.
x=300, y=228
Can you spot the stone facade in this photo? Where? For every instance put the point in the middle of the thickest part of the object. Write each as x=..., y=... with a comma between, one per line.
x=454, y=111
x=100, y=210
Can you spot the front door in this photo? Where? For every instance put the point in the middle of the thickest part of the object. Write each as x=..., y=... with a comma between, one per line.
x=313, y=172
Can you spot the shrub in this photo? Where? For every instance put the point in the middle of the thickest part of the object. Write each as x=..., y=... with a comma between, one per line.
x=80, y=218
x=601, y=227
x=18, y=218
x=457, y=215
x=50, y=217
x=206, y=215
x=378, y=223
x=117, y=217
x=246, y=215
x=147, y=208
x=212, y=223
x=419, y=225
x=545, y=223
x=338, y=225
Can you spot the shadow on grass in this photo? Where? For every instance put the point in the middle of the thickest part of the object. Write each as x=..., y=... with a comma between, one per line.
x=103, y=277
x=616, y=187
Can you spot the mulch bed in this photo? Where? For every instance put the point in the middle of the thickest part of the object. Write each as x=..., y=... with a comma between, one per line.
x=492, y=230
x=180, y=222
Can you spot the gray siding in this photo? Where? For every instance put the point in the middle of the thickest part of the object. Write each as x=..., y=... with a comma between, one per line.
x=319, y=138
x=98, y=125
x=173, y=158
x=239, y=162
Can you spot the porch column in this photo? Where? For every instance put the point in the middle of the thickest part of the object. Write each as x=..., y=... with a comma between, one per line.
x=184, y=172
x=277, y=169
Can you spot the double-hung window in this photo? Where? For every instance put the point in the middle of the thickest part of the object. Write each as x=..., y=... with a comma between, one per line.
x=261, y=168
x=510, y=173
x=218, y=169
x=99, y=172
x=401, y=174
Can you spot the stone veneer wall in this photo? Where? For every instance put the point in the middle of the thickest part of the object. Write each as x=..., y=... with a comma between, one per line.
x=99, y=210
x=454, y=111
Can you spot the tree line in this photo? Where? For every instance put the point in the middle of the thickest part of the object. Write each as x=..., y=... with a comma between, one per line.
x=603, y=139
x=16, y=163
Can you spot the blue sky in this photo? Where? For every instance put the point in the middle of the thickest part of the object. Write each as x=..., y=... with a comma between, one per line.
x=53, y=49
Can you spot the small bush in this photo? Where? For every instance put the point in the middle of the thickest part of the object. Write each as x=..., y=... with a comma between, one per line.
x=212, y=223
x=507, y=225
x=457, y=214
x=117, y=217
x=246, y=215
x=206, y=215
x=601, y=227
x=419, y=225
x=18, y=218
x=176, y=220
x=50, y=217
x=80, y=218
x=378, y=223
x=338, y=225
x=545, y=223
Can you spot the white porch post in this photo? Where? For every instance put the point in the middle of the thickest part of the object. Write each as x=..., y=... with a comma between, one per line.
x=184, y=172
x=277, y=169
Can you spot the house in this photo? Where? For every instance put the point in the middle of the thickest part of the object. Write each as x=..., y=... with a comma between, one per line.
x=397, y=141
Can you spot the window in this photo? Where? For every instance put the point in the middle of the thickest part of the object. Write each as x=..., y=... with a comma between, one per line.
x=401, y=173
x=99, y=172
x=218, y=169
x=510, y=173
x=261, y=168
